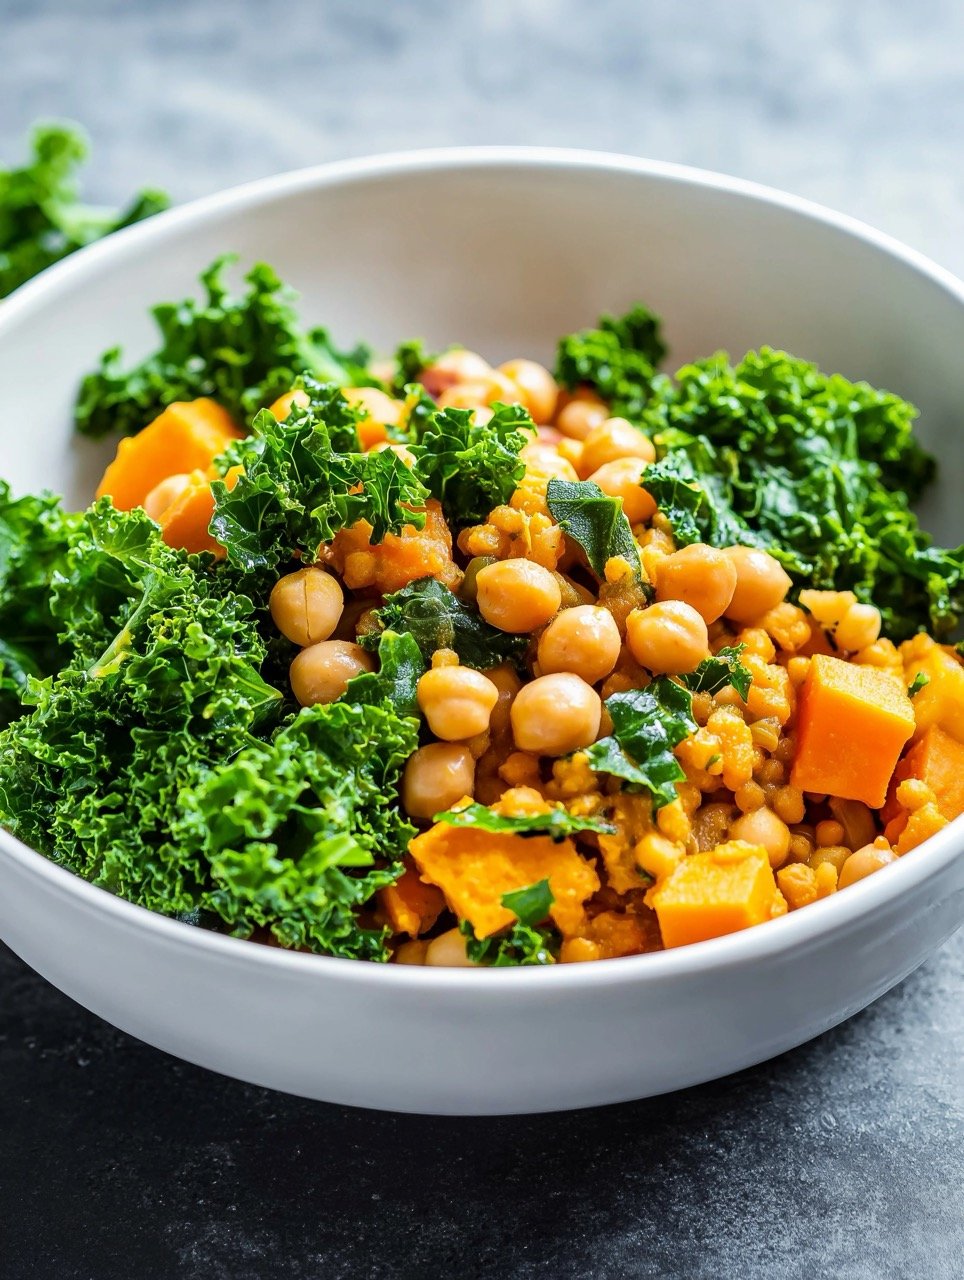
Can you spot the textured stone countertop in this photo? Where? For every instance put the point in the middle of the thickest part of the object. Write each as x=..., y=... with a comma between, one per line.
x=844, y=1158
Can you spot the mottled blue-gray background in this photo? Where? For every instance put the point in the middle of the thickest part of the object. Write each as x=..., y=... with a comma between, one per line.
x=841, y=1159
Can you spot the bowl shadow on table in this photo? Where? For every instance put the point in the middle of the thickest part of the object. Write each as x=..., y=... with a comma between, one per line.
x=157, y=1155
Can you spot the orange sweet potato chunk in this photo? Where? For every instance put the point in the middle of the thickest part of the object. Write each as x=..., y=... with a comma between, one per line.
x=184, y=523
x=475, y=868
x=399, y=558
x=852, y=723
x=186, y=437
x=937, y=760
x=710, y=894
x=411, y=905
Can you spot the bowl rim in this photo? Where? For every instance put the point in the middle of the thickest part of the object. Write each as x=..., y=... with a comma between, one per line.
x=797, y=930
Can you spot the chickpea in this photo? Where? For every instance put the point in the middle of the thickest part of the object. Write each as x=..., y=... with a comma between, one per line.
x=668, y=638
x=436, y=777
x=381, y=408
x=545, y=460
x=763, y=827
x=306, y=606
x=448, y=951
x=485, y=391
x=537, y=387
x=864, y=862
x=622, y=478
x=506, y=680
x=584, y=640
x=555, y=714
x=580, y=416
x=165, y=493
x=453, y=367
x=614, y=438
x=700, y=576
x=517, y=595
x=858, y=628
x=761, y=583
x=411, y=952
x=456, y=701
x=321, y=673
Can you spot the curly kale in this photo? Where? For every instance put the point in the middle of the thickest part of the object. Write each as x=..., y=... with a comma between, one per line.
x=243, y=351
x=618, y=360
x=41, y=217
x=471, y=467
x=818, y=470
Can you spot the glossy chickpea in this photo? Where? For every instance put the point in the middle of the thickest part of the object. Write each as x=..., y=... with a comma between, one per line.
x=456, y=701
x=165, y=493
x=448, y=951
x=614, y=438
x=537, y=387
x=436, y=777
x=581, y=415
x=306, y=606
x=555, y=714
x=864, y=862
x=763, y=827
x=321, y=673
x=700, y=576
x=545, y=460
x=668, y=638
x=622, y=478
x=584, y=640
x=858, y=628
x=517, y=595
x=506, y=680
x=493, y=387
x=761, y=583
x=453, y=367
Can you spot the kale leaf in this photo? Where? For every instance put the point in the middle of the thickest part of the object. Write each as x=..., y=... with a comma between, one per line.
x=300, y=832
x=471, y=467
x=647, y=725
x=395, y=683
x=243, y=351
x=618, y=359
x=818, y=470
x=299, y=486
x=527, y=942
x=594, y=520
x=724, y=668
x=41, y=218
x=557, y=823
x=438, y=619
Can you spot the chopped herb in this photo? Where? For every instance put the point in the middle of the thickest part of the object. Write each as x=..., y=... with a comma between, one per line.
x=918, y=683
x=557, y=823
x=438, y=619
x=594, y=520
x=714, y=674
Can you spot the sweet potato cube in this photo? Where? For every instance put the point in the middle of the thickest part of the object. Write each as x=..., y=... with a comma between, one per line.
x=937, y=760
x=186, y=437
x=852, y=723
x=721, y=891
x=185, y=522
x=411, y=905
x=941, y=700
x=475, y=868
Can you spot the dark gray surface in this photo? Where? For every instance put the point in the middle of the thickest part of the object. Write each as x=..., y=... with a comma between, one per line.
x=841, y=1159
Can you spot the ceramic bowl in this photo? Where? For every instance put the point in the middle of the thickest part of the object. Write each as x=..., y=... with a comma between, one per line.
x=503, y=250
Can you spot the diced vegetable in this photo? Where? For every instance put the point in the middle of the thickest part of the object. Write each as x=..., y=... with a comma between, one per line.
x=937, y=760
x=852, y=724
x=474, y=869
x=721, y=891
x=941, y=700
x=411, y=905
x=186, y=437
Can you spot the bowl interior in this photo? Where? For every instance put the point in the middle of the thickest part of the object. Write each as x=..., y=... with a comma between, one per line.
x=503, y=252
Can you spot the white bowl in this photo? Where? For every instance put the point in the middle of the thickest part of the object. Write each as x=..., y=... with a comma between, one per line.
x=502, y=249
